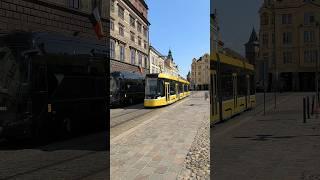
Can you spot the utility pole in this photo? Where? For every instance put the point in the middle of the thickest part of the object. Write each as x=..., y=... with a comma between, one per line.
x=264, y=87
x=316, y=75
x=274, y=56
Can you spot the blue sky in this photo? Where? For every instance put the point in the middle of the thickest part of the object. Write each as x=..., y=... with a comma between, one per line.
x=181, y=25
x=236, y=20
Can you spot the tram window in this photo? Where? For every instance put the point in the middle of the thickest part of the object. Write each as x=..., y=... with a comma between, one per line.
x=180, y=87
x=185, y=87
x=161, y=87
x=242, y=85
x=226, y=86
x=172, y=87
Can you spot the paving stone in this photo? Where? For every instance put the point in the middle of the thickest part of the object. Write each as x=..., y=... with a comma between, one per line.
x=163, y=143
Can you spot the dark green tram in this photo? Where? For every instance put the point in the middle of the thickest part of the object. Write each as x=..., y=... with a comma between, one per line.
x=51, y=84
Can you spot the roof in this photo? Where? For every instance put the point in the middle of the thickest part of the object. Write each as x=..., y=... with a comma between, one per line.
x=253, y=36
x=168, y=76
x=232, y=61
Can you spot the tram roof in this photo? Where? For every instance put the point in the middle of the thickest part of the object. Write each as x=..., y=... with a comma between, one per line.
x=168, y=76
x=231, y=61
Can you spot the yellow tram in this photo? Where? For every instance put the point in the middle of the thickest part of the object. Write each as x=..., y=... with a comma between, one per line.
x=163, y=89
x=232, y=87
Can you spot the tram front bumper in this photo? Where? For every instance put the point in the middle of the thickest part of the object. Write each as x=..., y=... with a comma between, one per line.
x=154, y=102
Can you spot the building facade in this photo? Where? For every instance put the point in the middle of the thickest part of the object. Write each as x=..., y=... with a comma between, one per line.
x=289, y=43
x=216, y=45
x=170, y=66
x=129, y=35
x=200, y=73
x=68, y=17
x=156, y=61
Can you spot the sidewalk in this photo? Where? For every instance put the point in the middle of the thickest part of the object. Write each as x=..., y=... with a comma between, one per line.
x=156, y=149
x=275, y=146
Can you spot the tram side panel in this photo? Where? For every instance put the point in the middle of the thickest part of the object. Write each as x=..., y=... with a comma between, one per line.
x=236, y=90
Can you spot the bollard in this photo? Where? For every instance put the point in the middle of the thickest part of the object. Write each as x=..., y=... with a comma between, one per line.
x=308, y=107
x=304, y=110
x=312, y=105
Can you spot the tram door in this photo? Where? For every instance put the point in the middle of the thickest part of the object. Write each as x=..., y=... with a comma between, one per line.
x=235, y=99
x=248, y=91
x=167, y=91
x=177, y=91
x=214, y=97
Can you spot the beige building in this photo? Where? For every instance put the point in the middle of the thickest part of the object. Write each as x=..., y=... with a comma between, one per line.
x=200, y=72
x=129, y=30
x=67, y=17
x=156, y=61
x=289, y=41
x=170, y=66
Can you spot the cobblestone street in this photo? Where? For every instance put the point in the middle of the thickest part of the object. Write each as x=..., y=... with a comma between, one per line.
x=155, y=147
x=275, y=146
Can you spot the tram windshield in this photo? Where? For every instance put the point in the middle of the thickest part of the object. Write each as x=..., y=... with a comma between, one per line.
x=8, y=71
x=151, y=87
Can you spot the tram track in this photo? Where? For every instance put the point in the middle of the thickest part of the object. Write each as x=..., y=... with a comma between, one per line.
x=49, y=165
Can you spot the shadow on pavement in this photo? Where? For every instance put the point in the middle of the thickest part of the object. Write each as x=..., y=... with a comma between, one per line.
x=96, y=141
x=138, y=105
x=265, y=137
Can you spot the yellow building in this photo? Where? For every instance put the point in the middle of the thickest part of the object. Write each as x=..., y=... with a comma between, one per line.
x=289, y=41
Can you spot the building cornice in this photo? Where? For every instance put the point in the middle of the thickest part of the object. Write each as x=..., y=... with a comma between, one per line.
x=128, y=3
x=156, y=51
x=144, y=4
x=288, y=7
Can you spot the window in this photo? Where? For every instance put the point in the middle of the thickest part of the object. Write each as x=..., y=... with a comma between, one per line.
x=112, y=5
x=140, y=58
x=111, y=24
x=264, y=19
x=273, y=38
x=287, y=57
x=122, y=52
x=287, y=38
x=112, y=49
x=286, y=18
x=133, y=56
x=139, y=26
x=121, y=12
x=308, y=36
x=145, y=61
x=132, y=36
x=308, y=18
x=121, y=30
x=265, y=39
x=74, y=4
x=132, y=21
x=145, y=45
x=139, y=41
x=145, y=32
x=310, y=56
